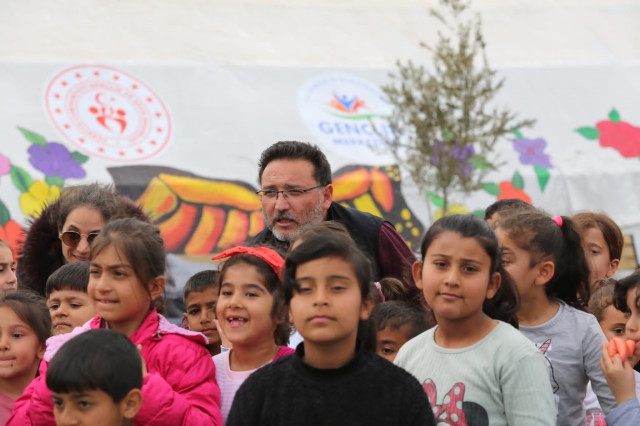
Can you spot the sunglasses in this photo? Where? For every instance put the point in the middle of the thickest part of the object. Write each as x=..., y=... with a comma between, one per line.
x=72, y=238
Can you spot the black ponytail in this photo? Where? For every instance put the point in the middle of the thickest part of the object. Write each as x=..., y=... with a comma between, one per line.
x=559, y=241
x=570, y=282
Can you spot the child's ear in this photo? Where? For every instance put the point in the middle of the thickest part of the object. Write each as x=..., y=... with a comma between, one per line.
x=365, y=308
x=494, y=285
x=131, y=403
x=156, y=287
x=281, y=314
x=613, y=267
x=546, y=269
x=41, y=350
x=416, y=271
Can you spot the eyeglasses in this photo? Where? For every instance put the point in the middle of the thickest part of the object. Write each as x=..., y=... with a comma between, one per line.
x=72, y=238
x=271, y=196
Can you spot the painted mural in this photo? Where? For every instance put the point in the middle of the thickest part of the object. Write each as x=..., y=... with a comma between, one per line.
x=55, y=162
x=196, y=215
x=201, y=215
x=118, y=117
x=615, y=133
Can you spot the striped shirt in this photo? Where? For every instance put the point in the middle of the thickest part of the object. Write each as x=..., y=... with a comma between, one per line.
x=229, y=381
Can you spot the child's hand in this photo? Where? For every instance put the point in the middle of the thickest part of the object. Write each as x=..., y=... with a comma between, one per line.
x=619, y=375
x=223, y=339
x=144, y=364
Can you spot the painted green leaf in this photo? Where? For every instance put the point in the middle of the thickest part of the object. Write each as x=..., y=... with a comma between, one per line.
x=33, y=137
x=479, y=213
x=590, y=133
x=447, y=135
x=438, y=201
x=54, y=180
x=479, y=162
x=492, y=188
x=517, y=180
x=518, y=134
x=4, y=214
x=79, y=157
x=543, y=176
x=21, y=178
x=614, y=115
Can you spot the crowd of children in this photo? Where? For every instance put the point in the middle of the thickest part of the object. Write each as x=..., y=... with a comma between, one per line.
x=510, y=328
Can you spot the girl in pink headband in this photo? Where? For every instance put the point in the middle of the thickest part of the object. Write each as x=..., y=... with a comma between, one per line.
x=546, y=260
x=252, y=315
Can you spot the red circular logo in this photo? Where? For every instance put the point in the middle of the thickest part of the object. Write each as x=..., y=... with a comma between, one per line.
x=108, y=113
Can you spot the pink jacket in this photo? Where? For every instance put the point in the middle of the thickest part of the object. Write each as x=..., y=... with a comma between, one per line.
x=179, y=389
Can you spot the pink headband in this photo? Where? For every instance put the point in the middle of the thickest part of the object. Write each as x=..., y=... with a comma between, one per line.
x=379, y=287
x=273, y=259
x=557, y=220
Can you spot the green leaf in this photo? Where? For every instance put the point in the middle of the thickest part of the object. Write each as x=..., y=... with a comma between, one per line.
x=518, y=135
x=438, y=201
x=492, y=188
x=480, y=163
x=447, y=135
x=79, y=157
x=479, y=213
x=20, y=178
x=590, y=133
x=614, y=115
x=4, y=214
x=54, y=180
x=33, y=137
x=543, y=176
x=517, y=180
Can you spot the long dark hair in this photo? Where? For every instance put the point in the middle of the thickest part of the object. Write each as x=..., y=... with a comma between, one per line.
x=622, y=287
x=505, y=303
x=544, y=239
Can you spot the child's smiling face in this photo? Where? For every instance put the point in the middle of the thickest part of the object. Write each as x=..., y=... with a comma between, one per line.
x=118, y=295
x=245, y=306
x=20, y=349
x=517, y=262
x=69, y=309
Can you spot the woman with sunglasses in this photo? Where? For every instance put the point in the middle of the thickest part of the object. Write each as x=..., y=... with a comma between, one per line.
x=65, y=229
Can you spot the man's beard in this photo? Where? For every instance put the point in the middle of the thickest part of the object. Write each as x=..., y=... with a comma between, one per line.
x=309, y=218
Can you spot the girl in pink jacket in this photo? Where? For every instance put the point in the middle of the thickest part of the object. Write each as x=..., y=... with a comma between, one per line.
x=126, y=281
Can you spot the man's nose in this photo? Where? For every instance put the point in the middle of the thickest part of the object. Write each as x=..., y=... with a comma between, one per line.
x=282, y=203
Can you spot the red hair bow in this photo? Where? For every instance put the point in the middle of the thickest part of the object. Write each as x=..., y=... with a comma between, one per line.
x=270, y=256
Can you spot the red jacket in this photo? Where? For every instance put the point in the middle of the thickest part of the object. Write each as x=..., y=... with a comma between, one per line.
x=179, y=389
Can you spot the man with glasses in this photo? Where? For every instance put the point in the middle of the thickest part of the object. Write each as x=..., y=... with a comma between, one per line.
x=296, y=190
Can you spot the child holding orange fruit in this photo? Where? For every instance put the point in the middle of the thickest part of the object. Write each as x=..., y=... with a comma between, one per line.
x=617, y=362
x=613, y=324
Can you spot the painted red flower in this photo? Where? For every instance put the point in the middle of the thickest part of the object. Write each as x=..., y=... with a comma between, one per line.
x=507, y=190
x=13, y=233
x=622, y=136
